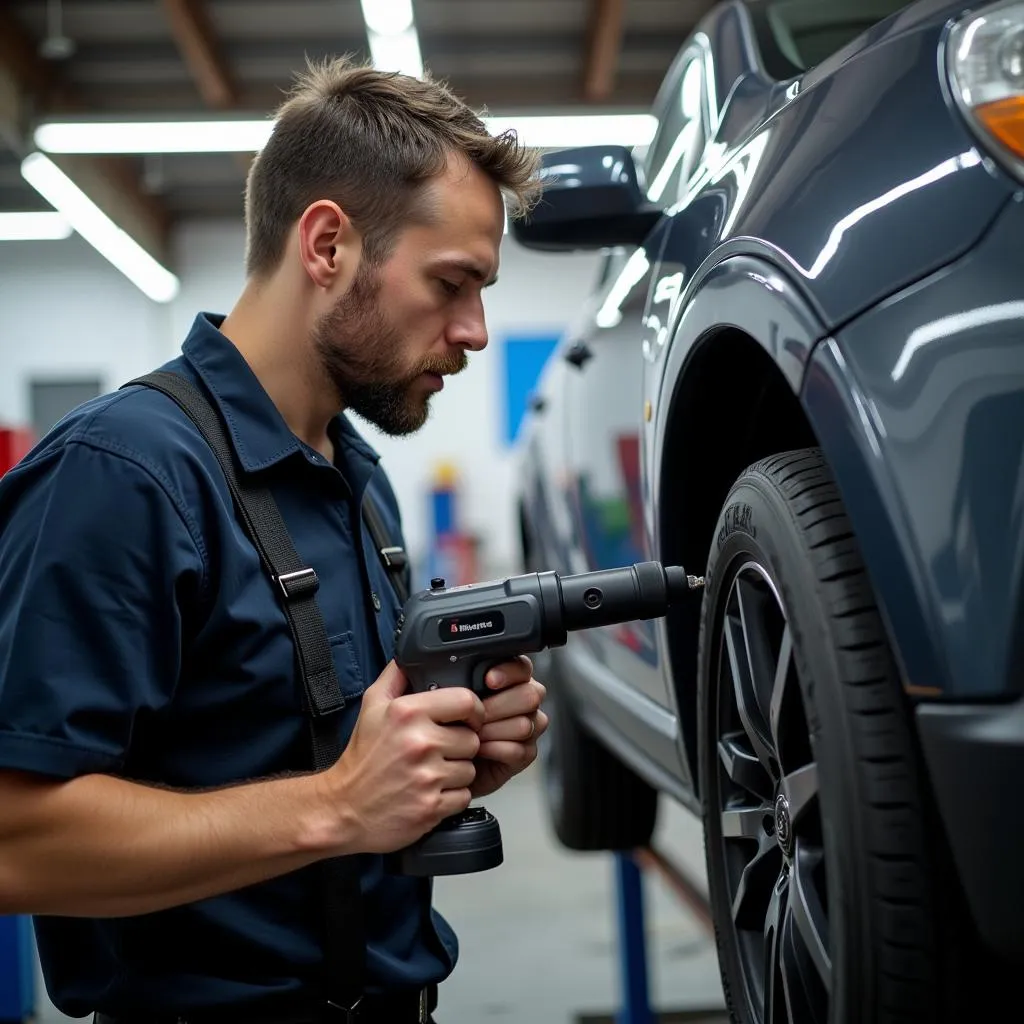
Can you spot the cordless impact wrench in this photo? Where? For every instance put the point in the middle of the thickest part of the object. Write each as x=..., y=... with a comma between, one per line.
x=452, y=636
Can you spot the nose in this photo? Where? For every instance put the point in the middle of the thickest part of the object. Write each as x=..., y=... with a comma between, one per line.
x=468, y=329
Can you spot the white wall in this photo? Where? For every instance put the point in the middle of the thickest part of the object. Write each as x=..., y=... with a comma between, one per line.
x=65, y=312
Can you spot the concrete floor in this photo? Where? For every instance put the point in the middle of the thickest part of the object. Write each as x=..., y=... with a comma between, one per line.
x=538, y=935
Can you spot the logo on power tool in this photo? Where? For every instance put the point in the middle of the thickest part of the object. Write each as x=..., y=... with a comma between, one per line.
x=487, y=623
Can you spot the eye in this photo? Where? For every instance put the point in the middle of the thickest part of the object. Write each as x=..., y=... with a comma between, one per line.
x=450, y=287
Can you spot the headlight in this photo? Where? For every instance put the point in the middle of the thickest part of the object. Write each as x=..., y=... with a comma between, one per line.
x=985, y=61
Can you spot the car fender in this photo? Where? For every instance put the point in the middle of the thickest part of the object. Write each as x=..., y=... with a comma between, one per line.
x=919, y=408
x=743, y=292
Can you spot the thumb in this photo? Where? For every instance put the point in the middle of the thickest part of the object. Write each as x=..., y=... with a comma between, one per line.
x=391, y=683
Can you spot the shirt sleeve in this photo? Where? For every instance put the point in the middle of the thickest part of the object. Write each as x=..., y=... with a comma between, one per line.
x=98, y=567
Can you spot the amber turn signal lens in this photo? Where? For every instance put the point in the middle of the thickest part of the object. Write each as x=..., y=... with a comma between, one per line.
x=1005, y=120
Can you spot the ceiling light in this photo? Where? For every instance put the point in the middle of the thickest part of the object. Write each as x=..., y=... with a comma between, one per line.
x=399, y=53
x=387, y=17
x=554, y=131
x=98, y=229
x=154, y=136
x=33, y=227
x=547, y=131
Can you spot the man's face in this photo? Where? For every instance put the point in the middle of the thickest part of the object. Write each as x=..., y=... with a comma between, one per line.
x=404, y=325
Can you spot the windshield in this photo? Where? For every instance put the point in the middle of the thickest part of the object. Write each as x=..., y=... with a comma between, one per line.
x=805, y=32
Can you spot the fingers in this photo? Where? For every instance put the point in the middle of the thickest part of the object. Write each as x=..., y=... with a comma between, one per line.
x=513, y=755
x=458, y=775
x=518, y=729
x=391, y=683
x=510, y=673
x=448, y=704
x=456, y=743
x=454, y=801
x=523, y=699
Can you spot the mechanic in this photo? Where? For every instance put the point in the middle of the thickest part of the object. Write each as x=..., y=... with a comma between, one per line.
x=159, y=812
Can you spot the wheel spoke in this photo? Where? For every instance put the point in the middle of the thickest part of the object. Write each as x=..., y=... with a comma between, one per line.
x=810, y=924
x=769, y=808
x=743, y=687
x=743, y=768
x=744, y=822
x=801, y=790
x=784, y=669
x=804, y=999
x=754, y=891
x=773, y=950
x=754, y=605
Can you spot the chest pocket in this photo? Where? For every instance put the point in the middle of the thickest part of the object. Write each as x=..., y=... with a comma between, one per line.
x=351, y=681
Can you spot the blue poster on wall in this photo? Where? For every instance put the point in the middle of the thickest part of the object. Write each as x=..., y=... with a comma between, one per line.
x=524, y=358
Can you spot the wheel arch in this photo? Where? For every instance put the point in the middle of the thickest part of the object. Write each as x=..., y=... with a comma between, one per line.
x=738, y=384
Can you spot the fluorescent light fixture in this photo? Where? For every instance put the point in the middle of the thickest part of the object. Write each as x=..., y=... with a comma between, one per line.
x=387, y=17
x=547, y=131
x=399, y=52
x=154, y=137
x=553, y=131
x=98, y=229
x=33, y=227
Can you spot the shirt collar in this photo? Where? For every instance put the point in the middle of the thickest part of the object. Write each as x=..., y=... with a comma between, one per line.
x=258, y=431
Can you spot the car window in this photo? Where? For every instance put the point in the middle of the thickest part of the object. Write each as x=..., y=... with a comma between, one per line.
x=795, y=35
x=682, y=132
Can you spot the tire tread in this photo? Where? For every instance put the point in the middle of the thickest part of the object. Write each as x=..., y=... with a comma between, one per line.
x=872, y=693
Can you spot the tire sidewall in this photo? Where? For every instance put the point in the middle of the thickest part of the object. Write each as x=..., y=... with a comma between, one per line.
x=756, y=525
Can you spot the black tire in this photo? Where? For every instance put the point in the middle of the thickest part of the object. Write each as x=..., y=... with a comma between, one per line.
x=594, y=801
x=852, y=838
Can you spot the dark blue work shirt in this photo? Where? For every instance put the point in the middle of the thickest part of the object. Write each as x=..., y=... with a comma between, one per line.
x=140, y=637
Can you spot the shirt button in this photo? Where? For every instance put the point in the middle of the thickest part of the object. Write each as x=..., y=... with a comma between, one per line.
x=376, y=602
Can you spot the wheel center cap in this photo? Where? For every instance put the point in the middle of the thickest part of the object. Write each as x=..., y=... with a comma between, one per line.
x=783, y=824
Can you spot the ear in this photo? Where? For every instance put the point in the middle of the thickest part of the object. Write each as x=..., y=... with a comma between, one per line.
x=329, y=245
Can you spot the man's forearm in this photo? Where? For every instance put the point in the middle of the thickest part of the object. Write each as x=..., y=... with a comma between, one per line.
x=98, y=846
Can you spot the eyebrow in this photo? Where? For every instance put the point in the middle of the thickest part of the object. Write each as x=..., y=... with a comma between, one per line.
x=468, y=267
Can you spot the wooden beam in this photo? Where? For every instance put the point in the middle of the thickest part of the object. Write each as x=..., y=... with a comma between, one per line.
x=604, y=41
x=28, y=85
x=190, y=24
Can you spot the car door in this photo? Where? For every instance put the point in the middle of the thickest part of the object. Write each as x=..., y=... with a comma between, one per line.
x=605, y=390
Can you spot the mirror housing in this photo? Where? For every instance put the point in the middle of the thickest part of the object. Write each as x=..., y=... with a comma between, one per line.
x=590, y=199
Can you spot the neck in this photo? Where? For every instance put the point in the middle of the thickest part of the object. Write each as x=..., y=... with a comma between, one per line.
x=268, y=328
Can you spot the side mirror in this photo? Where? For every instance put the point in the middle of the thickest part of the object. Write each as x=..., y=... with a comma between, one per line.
x=590, y=199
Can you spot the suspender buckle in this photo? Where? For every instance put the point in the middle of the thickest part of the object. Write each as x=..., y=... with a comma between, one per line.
x=393, y=557
x=300, y=583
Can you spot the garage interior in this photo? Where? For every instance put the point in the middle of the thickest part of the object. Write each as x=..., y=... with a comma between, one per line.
x=762, y=178
x=541, y=942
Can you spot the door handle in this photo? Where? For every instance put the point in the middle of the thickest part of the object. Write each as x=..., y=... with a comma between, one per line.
x=579, y=354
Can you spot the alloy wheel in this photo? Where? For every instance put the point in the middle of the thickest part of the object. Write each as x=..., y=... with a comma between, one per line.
x=771, y=831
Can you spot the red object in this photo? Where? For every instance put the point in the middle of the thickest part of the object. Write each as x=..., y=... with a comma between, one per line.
x=15, y=443
x=457, y=553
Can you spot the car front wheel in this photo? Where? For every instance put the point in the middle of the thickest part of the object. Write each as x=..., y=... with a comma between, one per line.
x=818, y=865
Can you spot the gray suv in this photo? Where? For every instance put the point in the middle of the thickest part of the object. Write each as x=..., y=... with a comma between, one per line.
x=800, y=375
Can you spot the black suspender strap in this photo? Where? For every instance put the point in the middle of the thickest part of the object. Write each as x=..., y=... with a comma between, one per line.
x=295, y=585
x=393, y=557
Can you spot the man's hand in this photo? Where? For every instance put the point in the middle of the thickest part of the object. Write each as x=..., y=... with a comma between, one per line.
x=408, y=765
x=513, y=722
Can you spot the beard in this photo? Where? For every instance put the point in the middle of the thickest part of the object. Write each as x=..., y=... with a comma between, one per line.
x=361, y=354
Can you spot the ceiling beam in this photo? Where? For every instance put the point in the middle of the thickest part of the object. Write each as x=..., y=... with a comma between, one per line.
x=29, y=85
x=197, y=43
x=604, y=43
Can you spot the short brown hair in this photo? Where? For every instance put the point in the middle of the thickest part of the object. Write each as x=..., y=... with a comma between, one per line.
x=368, y=140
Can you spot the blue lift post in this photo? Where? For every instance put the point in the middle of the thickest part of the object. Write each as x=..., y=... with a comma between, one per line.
x=633, y=975
x=17, y=970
